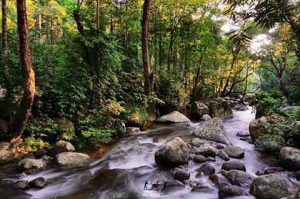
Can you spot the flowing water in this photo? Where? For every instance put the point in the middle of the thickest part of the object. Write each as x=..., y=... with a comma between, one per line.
x=123, y=170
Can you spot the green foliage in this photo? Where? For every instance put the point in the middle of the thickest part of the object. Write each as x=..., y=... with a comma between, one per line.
x=35, y=144
x=295, y=114
x=268, y=103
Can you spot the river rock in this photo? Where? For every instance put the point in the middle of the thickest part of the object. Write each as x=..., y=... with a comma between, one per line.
x=220, y=108
x=11, y=192
x=5, y=153
x=205, y=117
x=181, y=175
x=199, y=159
x=133, y=130
x=174, y=153
x=270, y=186
x=233, y=165
x=269, y=143
x=258, y=127
x=235, y=152
x=198, y=109
x=243, y=134
x=21, y=184
x=219, y=180
x=205, y=150
x=39, y=183
x=60, y=147
x=240, y=107
x=223, y=155
x=206, y=169
x=172, y=186
x=174, y=117
x=212, y=130
x=72, y=159
x=290, y=158
x=239, y=178
x=30, y=164
x=231, y=191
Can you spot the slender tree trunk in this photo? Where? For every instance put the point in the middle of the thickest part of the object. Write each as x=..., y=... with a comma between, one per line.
x=5, y=48
x=97, y=14
x=145, y=48
x=24, y=111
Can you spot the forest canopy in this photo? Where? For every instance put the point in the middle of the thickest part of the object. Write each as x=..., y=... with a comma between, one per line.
x=99, y=62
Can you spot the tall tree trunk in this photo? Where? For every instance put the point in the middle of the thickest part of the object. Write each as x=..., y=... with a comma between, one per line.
x=97, y=14
x=5, y=48
x=21, y=117
x=145, y=48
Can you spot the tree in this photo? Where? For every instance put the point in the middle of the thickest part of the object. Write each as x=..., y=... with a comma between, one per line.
x=23, y=113
x=145, y=48
x=5, y=47
x=269, y=12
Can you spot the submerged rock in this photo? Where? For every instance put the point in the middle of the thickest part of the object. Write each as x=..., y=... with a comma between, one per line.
x=270, y=186
x=290, y=158
x=212, y=130
x=174, y=153
x=72, y=159
x=174, y=117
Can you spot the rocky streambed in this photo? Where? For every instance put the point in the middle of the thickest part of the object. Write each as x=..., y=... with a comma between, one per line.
x=209, y=159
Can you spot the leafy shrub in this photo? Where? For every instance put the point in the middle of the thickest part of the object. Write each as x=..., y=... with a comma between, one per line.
x=295, y=114
x=35, y=144
x=268, y=103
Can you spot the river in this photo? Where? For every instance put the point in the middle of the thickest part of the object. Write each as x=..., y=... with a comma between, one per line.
x=126, y=165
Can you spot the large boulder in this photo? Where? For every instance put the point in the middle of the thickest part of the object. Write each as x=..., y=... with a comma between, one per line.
x=29, y=164
x=5, y=153
x=258, y=127
x=239, y=178
x=220, y=108
x=174, y=153
x=270, y=186
x=61, y=146
x=198, y=109
x=290, y=158
x=174, y=117
x=72, y=159
x=212, y=130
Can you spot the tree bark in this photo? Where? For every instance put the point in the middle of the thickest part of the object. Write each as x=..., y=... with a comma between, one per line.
x=21, y=117
x=97, y=14
x=145, y=48
x=5, y=48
